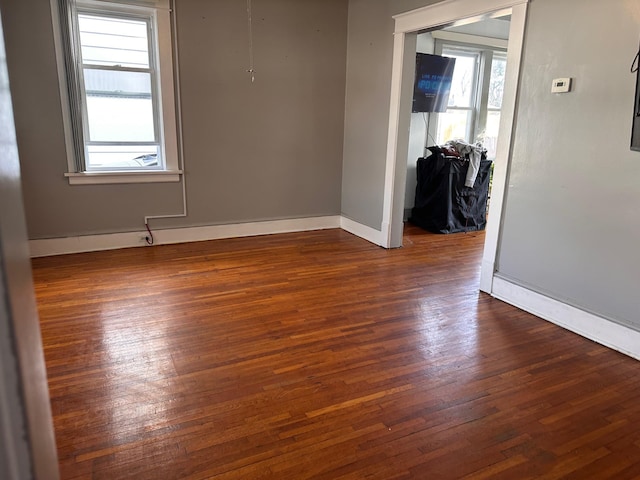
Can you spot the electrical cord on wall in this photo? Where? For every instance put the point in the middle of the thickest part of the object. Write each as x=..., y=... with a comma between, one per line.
x=427, y=124
x=148, y=238
x=176, y=66
x=634, y=69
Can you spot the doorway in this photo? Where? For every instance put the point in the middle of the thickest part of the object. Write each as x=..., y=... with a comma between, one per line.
x=407, y=27
x=475, y=95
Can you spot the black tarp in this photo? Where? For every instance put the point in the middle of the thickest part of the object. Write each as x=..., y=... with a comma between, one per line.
x=443, y=204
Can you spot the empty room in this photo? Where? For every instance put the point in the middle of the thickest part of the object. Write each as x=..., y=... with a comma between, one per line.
x=208, y=269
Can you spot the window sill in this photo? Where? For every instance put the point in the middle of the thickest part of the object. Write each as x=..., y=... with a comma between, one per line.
x=99, y=178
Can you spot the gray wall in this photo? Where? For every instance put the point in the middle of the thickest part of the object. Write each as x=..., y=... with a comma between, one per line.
x=571, y=226
x=27, y=444
x=417, y=134
x=369, y=57
x=261, y=151
x=15, y=451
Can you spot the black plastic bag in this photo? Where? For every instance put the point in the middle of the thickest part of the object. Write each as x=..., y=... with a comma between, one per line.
x=443, y=204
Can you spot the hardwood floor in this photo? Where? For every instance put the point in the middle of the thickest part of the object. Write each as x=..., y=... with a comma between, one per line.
x=319, y=355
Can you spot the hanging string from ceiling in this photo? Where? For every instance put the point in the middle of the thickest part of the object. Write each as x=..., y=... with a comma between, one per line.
x=251, y=71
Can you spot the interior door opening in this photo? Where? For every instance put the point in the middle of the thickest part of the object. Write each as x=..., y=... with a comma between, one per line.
x=407, y=27
x=475, y=95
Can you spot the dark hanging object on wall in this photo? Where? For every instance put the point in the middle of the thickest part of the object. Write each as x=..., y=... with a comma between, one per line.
x=635, y=133
x=443, y=203
x=434, y=74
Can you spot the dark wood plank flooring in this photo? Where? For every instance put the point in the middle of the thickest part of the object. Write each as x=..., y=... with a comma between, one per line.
x=319, y=355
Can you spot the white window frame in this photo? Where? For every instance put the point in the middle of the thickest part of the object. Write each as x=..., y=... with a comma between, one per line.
x=472, y=109
x=158, y=12
x=479, y=107
x=502, y=55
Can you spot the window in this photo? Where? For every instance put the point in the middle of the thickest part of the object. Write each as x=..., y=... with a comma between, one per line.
x=118, y=81
x=475, y=100
x=489, y=136
x=458, y=120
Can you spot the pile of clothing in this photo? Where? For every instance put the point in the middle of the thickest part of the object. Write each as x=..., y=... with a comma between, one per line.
x=461, y=149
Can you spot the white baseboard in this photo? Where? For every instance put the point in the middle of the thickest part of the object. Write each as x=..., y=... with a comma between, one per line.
x=47, y=247
x=362, y=231
x=111, y=241
x=600, y=330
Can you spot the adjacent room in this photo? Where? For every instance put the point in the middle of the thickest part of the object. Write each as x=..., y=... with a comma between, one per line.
x=208, y=269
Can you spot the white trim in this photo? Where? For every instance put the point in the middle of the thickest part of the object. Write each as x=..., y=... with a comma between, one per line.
x=599, y=329
x=178, y=103
x=112, y=241
x=392, y=140
x=167, y=107
x=62, y=85
x=503, y=147
x=98, y=178
x=451, y=11
x=359, y=230
x=467, y=38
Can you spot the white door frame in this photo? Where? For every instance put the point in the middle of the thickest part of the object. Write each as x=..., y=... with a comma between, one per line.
x=442, y=14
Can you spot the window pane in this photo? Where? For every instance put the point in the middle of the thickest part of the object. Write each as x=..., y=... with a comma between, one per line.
x=463, y=78
x=113, y=41
x=496, y=84
x=490, y=138
x=136, y=156
x=119, y=106
x=452, y=125
x=111, y=82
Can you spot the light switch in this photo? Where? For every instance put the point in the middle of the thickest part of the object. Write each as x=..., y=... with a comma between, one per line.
x=561, y=85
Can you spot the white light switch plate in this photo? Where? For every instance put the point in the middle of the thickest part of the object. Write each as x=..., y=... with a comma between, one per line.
x=561, y=85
